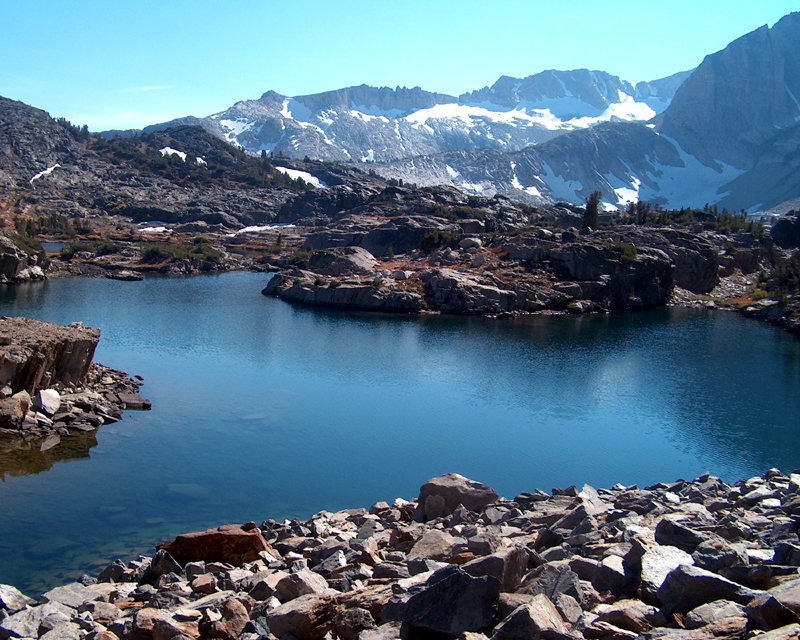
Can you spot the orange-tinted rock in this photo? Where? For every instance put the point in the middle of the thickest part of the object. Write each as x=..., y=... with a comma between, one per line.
x=234, y=544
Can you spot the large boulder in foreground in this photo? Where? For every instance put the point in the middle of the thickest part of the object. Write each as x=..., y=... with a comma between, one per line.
x=36, y=355
x=439, y=497
x=234, y=544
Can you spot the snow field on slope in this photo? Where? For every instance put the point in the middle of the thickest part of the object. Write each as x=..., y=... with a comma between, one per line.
x=294, y=174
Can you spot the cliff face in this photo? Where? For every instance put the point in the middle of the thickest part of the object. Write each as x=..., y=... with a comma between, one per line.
x=16, y=265
x=37, y=355
x=738, y=99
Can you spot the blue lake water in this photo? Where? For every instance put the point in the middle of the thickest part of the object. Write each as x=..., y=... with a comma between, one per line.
x=266, y=410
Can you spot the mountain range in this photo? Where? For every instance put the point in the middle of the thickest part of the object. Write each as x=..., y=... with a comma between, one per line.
x=725, y=133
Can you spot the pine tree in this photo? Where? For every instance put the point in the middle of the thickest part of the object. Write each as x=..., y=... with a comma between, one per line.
x=591, y=217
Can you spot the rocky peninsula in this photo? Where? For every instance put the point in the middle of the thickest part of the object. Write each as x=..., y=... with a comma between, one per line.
x=686, y=560
x=50, y=388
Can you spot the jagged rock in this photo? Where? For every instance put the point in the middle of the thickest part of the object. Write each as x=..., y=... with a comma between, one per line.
x=38, y=354
x=308, y=617
x=351, y=622
x=788, y=594
x=767, y=612
x=163, y=563
x=552, y=580
x=669, y=533
x=450, y=602
x=437, y=545
x=16, y=265
x=507, y=566
x=786, y=232
x=440, y=496
x=234, y=544
x=656, y=563
x=688, y=587
x=538, y=618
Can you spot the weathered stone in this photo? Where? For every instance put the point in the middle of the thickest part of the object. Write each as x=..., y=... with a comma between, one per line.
x=607, y=631
x=675, y=534
x=712, y=613
x=13, y=600
x=788, y=594
x=716, y=553
x=308, y=617
x=163, y=563
x=234, y=544
x=205, y=584
x=631, y=615
x=350, y=622
x=688, y=587
x=26, y=623
x=64, y=631
x=610, y=575
x=387, y=631
x=47, y=401
x=656, y=564
x=568, y=607
x=230, y=627
x=373, y=598
x=440, y=496
x=72, y=595
x=451, y=602
x=552, y=580
x=507, y=566
x=767, y=612
x=302, y=583
x=791, y=632
x=38, y=354
x=437, y=545
x=538, y=618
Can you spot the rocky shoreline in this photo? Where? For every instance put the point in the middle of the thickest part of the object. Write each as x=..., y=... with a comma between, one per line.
x=50, y=388
x=693, y=560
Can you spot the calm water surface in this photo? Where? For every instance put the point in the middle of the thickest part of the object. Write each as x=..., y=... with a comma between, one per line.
x=265, y=410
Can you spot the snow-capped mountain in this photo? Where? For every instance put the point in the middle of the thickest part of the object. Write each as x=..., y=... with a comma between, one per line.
x=729, y=136
x=367, y=124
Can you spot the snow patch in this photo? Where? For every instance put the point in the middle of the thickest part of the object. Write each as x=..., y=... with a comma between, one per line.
x=560, y=187
x=169, y=151
x=627, y=110
x=200, y=160
x=46, y=172
x=453, y=173
x=690, y=185
x=370, y=157
x=294, y=174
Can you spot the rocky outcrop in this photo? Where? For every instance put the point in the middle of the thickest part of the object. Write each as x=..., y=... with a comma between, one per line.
x=35, y=355
x=16, y=265
x=619, y=563
x=307, y=288
x=786, y=232
x=50, y=389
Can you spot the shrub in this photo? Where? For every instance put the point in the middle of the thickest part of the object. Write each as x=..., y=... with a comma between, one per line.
x=438, y=239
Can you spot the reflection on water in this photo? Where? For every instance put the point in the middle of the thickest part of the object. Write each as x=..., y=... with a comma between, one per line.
x=265, y=410
x=23, y=457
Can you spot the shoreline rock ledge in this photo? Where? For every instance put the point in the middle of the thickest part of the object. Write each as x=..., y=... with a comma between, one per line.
x=50, y=386
x=687, y=560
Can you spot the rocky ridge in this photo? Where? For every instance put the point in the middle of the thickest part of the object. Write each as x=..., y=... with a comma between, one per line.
x=368, y=124
x=693, y=560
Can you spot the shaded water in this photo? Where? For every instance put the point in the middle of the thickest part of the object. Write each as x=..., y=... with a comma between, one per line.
x=265, y=410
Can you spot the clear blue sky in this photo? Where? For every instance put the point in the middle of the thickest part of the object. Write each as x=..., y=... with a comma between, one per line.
x=122, y=64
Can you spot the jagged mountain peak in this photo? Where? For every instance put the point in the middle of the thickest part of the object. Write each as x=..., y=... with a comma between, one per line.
x=739, y=98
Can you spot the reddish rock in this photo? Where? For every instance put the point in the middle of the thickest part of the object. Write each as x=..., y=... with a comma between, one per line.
x=234, y=544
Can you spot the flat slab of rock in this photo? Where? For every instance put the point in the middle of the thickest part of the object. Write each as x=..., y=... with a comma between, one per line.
x=13, y=600
x=440, y=496
x=233, y=544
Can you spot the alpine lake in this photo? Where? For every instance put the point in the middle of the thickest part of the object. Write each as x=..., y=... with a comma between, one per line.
x=265, y=410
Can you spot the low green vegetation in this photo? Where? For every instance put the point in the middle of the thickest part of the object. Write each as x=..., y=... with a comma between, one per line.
x=437, y=238
x=200, y=248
